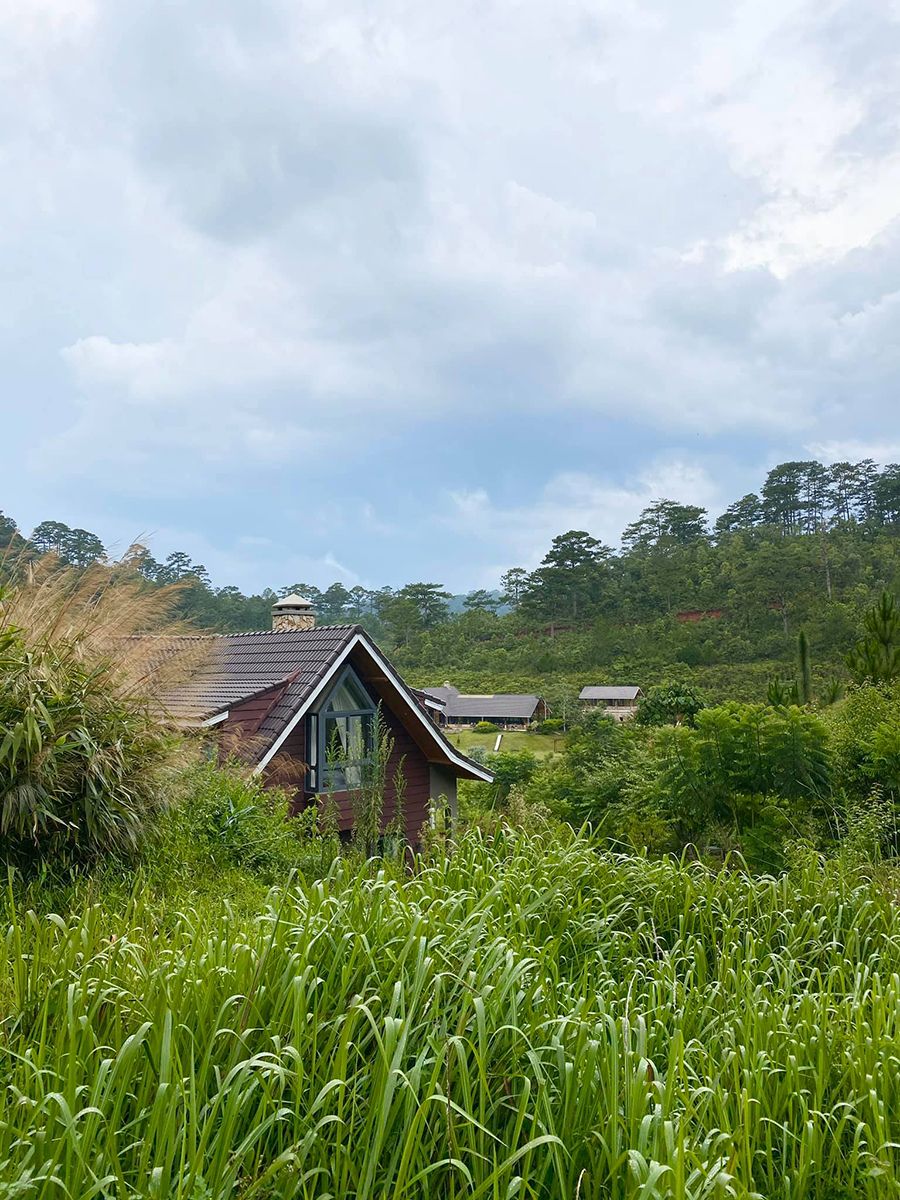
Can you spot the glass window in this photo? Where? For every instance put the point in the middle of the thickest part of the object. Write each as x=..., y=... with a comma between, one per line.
x=349, y=695
x=342, y=737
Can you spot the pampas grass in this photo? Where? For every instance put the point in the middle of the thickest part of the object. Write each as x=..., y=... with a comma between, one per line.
x=83, y=749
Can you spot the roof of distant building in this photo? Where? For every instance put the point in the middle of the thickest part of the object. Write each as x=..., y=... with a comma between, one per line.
x=609, y=693
x=488, y=707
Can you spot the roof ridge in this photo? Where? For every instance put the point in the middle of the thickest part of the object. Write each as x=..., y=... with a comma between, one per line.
x=280, y=632
x=247, y=633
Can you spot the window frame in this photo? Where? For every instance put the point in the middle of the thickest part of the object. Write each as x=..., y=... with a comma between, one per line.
x=330, y=778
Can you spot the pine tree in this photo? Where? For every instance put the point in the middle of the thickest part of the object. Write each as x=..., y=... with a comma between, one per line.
x=876, y=656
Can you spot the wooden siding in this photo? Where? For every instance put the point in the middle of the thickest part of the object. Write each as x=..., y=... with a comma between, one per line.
x=242, y=724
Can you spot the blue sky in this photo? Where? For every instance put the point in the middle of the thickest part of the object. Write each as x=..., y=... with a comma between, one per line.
x=379, y=290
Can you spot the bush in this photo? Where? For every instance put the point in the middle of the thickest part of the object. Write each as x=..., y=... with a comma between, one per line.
x=226, y=817
x=551, y=725
x=674, y=703
x=80, y=763
x=486, y=727
x=84, y=757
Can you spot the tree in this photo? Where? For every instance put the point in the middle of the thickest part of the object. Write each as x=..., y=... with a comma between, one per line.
x=843, y=484
x=512, y=585
x=876, y=656
x=570, y=580
x=745, y=513
x=804, y=674
x=361, y=601
x=81, y=548
x=886, y=495
x=333, y=604
x=11, y=541
x=481, y=600
x=401, y=617
x=430, y=601
x=673, y=703
x=139, y=559
x=177, y=566
x=664, y=524
x=50, y=537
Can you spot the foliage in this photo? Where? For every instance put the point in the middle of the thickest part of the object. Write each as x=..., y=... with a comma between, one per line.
x=510, y=768
x=485, y=727
x=83, y=756
x=742, y=764
x=876, y=656
x=527, y=1017
x=674, y=703
x=551, y=725
x=224, y=817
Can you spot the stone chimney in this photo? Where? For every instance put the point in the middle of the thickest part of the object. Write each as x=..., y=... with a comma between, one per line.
x=292, y=613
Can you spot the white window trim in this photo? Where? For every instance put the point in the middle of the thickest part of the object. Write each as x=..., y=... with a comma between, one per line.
x=426, y=723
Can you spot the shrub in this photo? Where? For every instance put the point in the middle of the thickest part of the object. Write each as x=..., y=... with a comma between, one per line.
x=486, y=727
x=551, y=725
x=83, y=756
x=670, y=704
x=225, y=817
x=80, y=764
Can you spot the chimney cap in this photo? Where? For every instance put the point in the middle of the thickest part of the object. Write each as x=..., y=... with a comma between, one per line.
x=293, y=601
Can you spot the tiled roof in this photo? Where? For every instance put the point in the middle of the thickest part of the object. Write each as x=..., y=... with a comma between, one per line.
x=237, y=666
x=609, y=693
x=227, y=669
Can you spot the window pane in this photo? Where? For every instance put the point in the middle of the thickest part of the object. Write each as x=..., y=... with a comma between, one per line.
x=313, y=749
x=348, y=696
x=348, y=748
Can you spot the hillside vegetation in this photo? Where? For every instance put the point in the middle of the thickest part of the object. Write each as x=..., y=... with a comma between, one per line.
x=721, y=601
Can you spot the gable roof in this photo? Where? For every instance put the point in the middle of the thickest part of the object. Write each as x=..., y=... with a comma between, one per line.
x=238, y=666
x=609, y=693
x=295, y=665
x=458, y=704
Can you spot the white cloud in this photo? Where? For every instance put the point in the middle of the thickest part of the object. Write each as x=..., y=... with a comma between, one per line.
x=295, y=248
x=571, y=500
x=855, y=451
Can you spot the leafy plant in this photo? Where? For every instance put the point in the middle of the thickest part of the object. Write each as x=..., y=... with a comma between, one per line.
x=676, y=703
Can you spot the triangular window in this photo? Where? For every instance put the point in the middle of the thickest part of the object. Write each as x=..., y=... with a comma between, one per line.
x=349, y=696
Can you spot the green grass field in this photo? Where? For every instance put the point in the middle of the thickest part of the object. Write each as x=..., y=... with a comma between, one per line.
x=530, y=1018
x=515, y=740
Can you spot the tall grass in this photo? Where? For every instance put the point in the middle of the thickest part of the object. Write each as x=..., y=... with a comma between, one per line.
x=82, y=748
x=525, y=1019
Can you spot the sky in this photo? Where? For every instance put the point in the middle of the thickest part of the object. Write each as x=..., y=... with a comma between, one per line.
x=382, y=290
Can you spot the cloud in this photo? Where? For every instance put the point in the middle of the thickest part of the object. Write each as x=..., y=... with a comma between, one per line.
x=854, y=451
x=572, y=500
x=310, y=258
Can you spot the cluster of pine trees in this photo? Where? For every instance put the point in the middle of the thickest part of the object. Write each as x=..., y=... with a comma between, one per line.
x=812, y=548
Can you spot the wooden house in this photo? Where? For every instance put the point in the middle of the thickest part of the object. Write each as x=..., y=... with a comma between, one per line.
x=620, y=703
x=506, y=710
x=303, y=704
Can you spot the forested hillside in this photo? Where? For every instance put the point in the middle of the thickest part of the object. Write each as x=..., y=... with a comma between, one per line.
x=721, y=598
